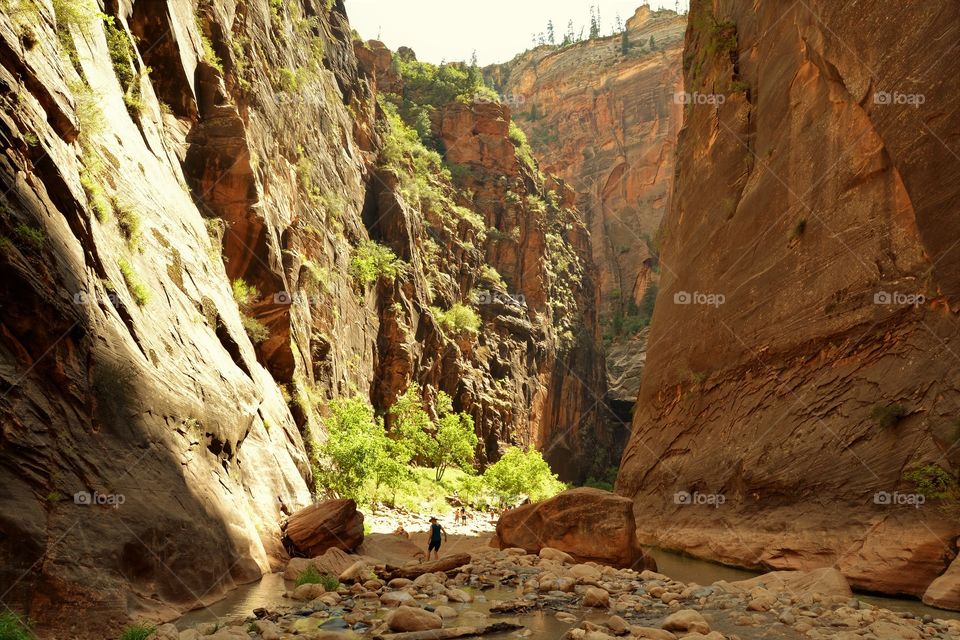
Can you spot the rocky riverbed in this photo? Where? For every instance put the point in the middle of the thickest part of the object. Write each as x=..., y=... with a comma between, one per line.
x=513, y=594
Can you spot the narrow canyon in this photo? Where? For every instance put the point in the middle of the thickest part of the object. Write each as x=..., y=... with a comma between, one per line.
x=274, y=291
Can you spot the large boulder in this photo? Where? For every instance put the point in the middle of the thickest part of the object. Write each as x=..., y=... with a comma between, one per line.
x=589, y=524
x=413, y=619
x=325, y=525
x=944, y=592
x=826, y=581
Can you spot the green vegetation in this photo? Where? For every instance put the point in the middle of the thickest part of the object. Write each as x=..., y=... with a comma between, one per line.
x=13, y=628
x=931, y=481
x=518, y=473
x=210, y=55
x=631, y=317
x=311, y=575
x=523, y=150
x=138, y=632
x=129, y=222
x=98, y=200
x=604, y=481
x=123, y=55
x=449, y=442
x=75, y=14
x=33, y=236
x=427, y=86
x=358, y=451
x=371, y=261
x=457, y=319
x=887, y=416
x=245, y=295
x=136, y=287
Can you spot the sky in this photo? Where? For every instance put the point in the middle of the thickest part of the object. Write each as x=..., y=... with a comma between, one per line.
x=448, y=30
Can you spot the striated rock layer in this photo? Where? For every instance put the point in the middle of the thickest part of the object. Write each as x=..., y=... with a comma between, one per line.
x=604, y=116
x=151, y=160
x=819, y=199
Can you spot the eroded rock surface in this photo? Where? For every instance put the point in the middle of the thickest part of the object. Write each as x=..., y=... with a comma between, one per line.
x=238, y=141
x=814, y=199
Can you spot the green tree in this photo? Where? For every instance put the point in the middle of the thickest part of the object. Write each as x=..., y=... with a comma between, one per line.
x=551, y=34
x=412, y=425
x=624, y=42
x=456, y=437
x=519, y=473
x=355, y=449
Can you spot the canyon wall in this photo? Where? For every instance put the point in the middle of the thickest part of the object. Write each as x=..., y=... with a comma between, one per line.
x=603, y=114
x=159, y=164
x=800, y=390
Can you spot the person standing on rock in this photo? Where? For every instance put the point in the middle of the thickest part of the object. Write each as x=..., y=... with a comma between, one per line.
x=433, y=547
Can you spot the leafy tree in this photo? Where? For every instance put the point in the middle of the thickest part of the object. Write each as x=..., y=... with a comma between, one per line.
x=624, y=42
x=653, y=44
x=551, y=34
x=456, y=437
x=412, y=425
x=519, y=473
x=355, y=448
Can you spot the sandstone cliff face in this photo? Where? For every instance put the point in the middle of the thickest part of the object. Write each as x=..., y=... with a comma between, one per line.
x=817, y=208
x=148, y=163
x=605, y=118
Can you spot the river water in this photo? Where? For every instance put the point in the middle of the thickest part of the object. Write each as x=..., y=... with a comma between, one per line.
x=269, y=591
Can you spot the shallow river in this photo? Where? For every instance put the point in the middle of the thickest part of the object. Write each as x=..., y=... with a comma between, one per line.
x=268, y=593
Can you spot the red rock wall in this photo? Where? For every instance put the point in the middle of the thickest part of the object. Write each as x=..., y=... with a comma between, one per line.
x=262, y=166
x=606, y=121
x=809, y=201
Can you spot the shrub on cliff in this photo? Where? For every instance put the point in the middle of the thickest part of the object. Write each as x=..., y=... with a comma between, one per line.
x=458, y=319
x=371, y=261
x=518, y=473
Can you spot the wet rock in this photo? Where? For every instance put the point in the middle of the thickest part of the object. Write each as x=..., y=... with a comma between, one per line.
x=396, y=598
x=325, y=525
x=686, y=620
x=407, y=618
x=550, y=553
x=308, y=592
x=618, y=625
x=651, y=633
x=596, y=597
x=446, y=612
x=588, y=524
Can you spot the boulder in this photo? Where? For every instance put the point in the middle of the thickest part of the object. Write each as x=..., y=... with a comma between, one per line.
x=686, y=620
x=596, y=597
x=549, y=553
x=944, y=592
x=396, y=598
x=588, y=524
x=167, y=632
x=651, y=633
x=413, y=619
x=308, y=592
x=325, y=525
x=826, y=581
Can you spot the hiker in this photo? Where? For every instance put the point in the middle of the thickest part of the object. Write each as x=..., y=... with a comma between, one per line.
x=434, y=545
x=463, y=516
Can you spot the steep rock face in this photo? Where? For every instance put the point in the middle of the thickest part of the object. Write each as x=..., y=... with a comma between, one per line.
x=819, y=210
x=603, y=114
x=232, y=141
